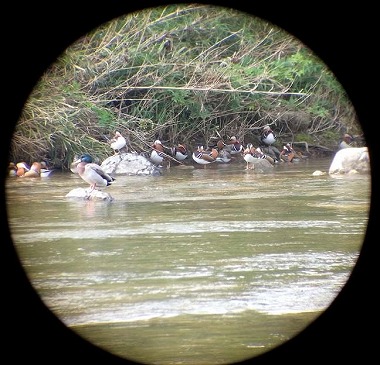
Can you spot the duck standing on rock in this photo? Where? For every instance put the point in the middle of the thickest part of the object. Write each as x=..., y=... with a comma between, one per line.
x=118, y=142
x=91, y=172
x=249, y=156
x=268, y=138
x=288, y=153
x=157, y=155
x=262, y=155
x=252, y=154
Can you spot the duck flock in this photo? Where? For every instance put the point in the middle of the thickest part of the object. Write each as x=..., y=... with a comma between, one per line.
x=22, y=169
x=222, y=151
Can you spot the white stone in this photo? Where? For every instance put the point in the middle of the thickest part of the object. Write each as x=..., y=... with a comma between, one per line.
x=129, y=164
x=87, y=194
x=349, y=159
x=319, y=173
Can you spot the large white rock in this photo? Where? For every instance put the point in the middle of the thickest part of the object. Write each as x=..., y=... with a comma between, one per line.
x=129, y=164
x=350, y=160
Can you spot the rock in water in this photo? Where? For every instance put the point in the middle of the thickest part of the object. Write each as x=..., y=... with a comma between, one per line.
x=319, y=173
x=129, y=164
x=348, y=159
x=87, y=194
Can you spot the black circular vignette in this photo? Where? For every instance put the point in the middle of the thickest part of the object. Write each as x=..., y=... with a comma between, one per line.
x=35, y=35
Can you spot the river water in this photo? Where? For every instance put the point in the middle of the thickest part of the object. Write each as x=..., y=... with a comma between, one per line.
x=205, y=265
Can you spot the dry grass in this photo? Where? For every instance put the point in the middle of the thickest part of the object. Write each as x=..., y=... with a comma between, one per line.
x=182, y=74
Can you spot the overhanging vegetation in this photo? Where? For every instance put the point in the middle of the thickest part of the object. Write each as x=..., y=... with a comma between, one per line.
x=180, y=73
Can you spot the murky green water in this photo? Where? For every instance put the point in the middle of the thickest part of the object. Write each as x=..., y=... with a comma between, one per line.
x=198, y=266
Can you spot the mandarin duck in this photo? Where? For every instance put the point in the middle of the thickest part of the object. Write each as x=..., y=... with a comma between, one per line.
x=157, y=155
x=267, y=136
x=12, y=169
x=22, y=168
x=234, y=146
x=203, y=157
x=45, y=171
x=179, y=152
x=346, y=141
x=287, y=153
x=118, y=142
x=249, y=156
x=34, y=170
x=224, y=155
